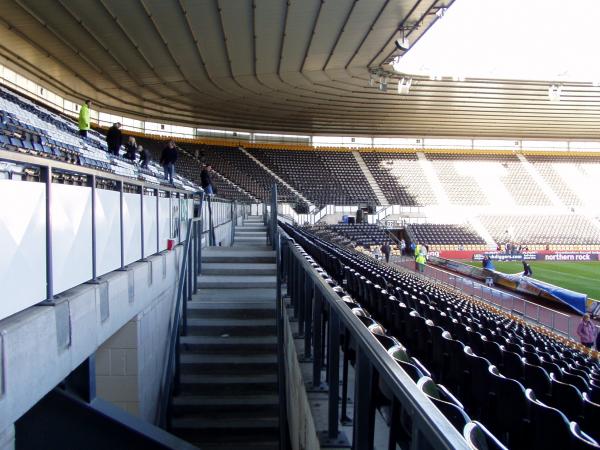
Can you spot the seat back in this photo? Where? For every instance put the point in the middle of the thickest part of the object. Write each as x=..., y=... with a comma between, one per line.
x=480, y=438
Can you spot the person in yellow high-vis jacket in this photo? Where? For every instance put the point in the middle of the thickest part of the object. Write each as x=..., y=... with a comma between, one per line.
x=421, y=260
x=84, y=118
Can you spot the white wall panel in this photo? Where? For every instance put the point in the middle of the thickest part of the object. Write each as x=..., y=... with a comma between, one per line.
x=165, y=222
x=132, y=227
x=22, y=245
x=183, y=217
x=71, y=211
x=150, y=225
x=108, y=232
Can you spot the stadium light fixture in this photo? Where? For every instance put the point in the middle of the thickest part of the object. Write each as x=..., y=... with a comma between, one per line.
x=404, y=86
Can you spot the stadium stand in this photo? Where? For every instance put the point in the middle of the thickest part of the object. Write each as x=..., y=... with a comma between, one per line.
x=556, y=170
x=525, y=386
x=30, y=128
x=400, y=177
x=570, y=232
x=332, y=178
x=445, y=236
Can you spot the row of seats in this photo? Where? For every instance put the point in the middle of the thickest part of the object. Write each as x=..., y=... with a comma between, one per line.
x=542, y=230
x=528, y=388
x=443, y=234
x=324, y=178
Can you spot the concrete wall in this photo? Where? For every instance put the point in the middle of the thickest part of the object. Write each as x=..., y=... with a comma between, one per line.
x=303, y=434
x=129, y=365
x=40, y=346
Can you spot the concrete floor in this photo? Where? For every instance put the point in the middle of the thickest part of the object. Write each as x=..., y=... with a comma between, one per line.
x=319, y=400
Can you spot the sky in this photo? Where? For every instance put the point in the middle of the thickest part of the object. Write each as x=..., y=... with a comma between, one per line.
x=550, y=40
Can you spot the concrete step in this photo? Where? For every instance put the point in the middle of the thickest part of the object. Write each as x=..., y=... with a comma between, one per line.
x=236, y=295
x=233, y=282
x=255, y=240
x=251, y=228
x=223, y=384
x=232, y=327
x=232, y=345
x=195, y=363
x=250, y=233
x=239, y=268
x=234, y=407
x=250, y=309
x=236, y=281
x=262, y=254
x=246, y=433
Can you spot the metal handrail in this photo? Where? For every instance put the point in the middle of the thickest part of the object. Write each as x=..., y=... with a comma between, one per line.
x=430, y=423
x=185, y=288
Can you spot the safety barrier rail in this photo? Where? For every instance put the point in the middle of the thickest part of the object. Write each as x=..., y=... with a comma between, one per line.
x=551, y=319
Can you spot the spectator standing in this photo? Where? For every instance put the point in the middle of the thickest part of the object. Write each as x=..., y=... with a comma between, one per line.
x=420, y=260
x=84, y=118
x=402, y=246
x=206, y=181
x=386, y=250
x=168, y=159
x=586, y=331
x=144, y=157
x=114, y=139
x=130, y=148
x=413, y=248
x=527, y=272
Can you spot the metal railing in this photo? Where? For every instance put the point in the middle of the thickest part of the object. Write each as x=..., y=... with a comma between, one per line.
x=322, y=320
x=555, y=321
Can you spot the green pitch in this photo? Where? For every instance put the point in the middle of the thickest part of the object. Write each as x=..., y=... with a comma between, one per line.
x=577, y=276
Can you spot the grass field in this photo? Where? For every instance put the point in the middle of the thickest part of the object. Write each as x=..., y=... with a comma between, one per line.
x=578, y=276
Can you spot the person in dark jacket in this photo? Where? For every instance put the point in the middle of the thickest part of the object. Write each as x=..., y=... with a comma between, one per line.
x=130, y=149
x=386, y=250
x=114, y=139
x=144, y=157
x=527, y=272
x=206, y=181
x=168, y=159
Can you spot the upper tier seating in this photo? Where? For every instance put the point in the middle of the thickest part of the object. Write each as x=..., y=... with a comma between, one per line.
x=28, y=127
x=443, y=234
x=325, y=178
x=570, y=177
x=515, y=379
x=543, y=230
x=400, y=177
x=486, y=179
x=191, y=168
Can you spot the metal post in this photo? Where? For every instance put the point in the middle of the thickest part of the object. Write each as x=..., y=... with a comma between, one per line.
x=156, y=191
x=142, y=218
x=46, y=175
x=122, y=235
x=334, y=374
x=363, y=403
x=92, y=182
x=316, y=336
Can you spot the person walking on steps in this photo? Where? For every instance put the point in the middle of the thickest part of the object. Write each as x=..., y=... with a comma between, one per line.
x=84, y=118
x=114, y=139
x=144, y=157
x=168, y=159
x=130, y=149
x=206, y=181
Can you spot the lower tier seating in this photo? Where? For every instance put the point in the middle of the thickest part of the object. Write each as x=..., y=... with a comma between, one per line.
x=529, y=388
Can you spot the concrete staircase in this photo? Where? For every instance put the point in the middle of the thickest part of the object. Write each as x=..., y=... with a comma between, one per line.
x=371, y=179
x=228, y=393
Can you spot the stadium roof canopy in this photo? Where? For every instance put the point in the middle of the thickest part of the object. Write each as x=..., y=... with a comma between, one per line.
x=300, y=66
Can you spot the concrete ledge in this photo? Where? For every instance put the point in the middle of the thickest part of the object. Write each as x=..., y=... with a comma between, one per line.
x=37, y=356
